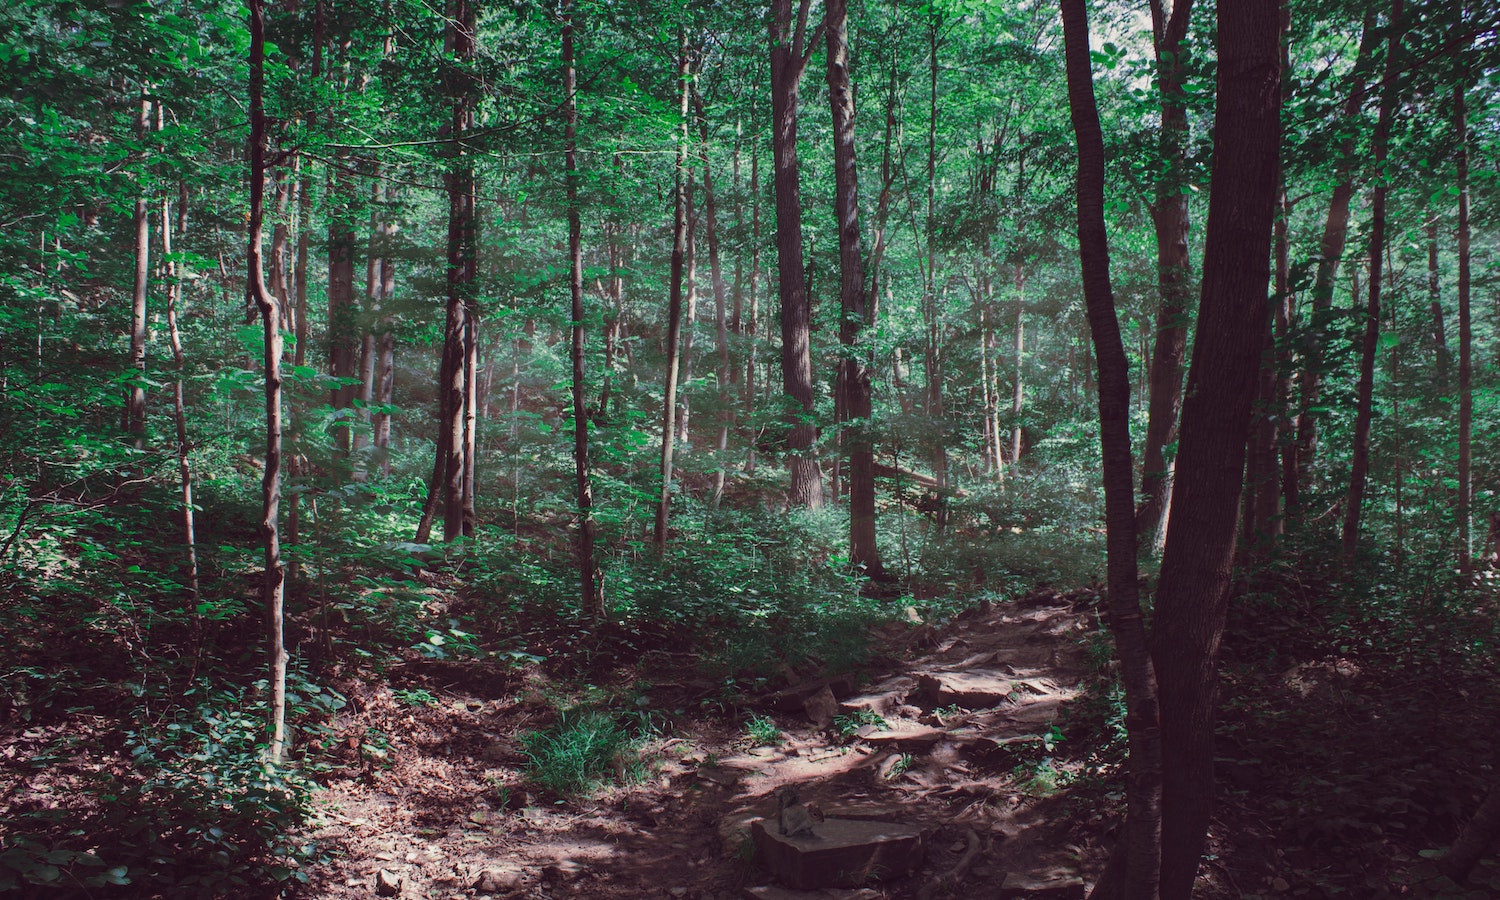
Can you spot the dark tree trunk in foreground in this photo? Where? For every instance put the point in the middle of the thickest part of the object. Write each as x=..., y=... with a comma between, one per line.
x=272, y=587
x=135, y=397
x=1477, y=839
x=674, y=301
x=1141, y=843
x=591, y=579
x=1192, y=597
x=1169, y=216
x=788, y=45
x=856, y=305
x=1365, y=392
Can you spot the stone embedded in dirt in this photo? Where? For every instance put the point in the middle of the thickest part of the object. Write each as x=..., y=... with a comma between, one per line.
x=821, y=707
x=839, y=852
x=882, y=699
x=918, y=738
x=973, y=689
x=1041, y=887
x=563, y=870
x=499, y=881
x=387, y=883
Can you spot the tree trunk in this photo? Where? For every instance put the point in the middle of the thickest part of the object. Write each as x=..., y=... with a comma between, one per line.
x=674, y=301
x=135, y=397
x=343, y=329
x=1365, y=392
x=1477, y=838
x=591, y=579
x=932, y=319
x=1141, y=843
x=179, y=409
x=458, y=334
x=1465, y=341
x=1169, y=217
x=1192, y=597
x=724, y=373
x=788, y=45
x=275, y=575
x=856, y=304
x=1331, y=251
x=1018, y=396
x=1443, y=358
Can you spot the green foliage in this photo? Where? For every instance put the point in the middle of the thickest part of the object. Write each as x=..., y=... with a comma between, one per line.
x=762, y=731
x=414, y=697
x=584, y=749
x=848, y=725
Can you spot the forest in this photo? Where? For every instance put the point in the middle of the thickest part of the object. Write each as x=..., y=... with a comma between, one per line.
x=802, y=448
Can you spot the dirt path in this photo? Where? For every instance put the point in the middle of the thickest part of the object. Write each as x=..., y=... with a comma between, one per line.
x=950, y=742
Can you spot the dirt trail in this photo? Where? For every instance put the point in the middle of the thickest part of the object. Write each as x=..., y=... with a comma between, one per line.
x=445, y=813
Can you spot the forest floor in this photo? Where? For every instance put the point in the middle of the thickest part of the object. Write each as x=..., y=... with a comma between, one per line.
x=949, y=730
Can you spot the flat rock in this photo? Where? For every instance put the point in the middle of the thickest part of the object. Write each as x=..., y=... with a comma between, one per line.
x=1017, y=886
x=839, y=852
x=908, y=738
x=972, y=689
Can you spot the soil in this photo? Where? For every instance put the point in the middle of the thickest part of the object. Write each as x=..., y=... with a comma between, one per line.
x=431, y=800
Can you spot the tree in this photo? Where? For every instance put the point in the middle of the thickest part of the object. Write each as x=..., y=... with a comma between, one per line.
x=674, y=301
x=1141, y=844
x=857, y=305
x=591, y=580
x=790, y=50
x=1192, y=596
x=273, y=583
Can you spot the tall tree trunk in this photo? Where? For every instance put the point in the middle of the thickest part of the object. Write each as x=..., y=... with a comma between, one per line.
x=1192, y=595
x=591, y=579
x=1365, y=393
x=1169, y=217
x=458, y=330
x=789, y=45
x=1465, y=340
x=1442, y=356
x=343, y=328
x=1018, y=394
x=931, y=315
x=724, y=374
x=135, y=398
x=752, y=326
x=674, y=301
x=690, y=318
x=1330, y=253
x=385, y=349
x=179, y=408
x=1141, y=845
x=856, y=304
x=275, y=575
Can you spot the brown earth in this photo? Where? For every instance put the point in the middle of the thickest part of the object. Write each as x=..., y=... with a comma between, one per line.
x=432, y=801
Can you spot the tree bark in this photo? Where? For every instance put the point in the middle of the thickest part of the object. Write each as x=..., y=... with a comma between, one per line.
x=591, y=579
x=135, y=396
x=674, y=300
x=1169, y=218
x=1442, y=356
x=856, y=303
x=724, y=374
x=272, y=596
x=1192, y=597
x=931, y=315
x=1465, y=341
x=179, y=408
x=1141, y=844
x=458, y=335
x=1365, y=392
x=1330, y=253
x=1477, y=838
x=788, y=45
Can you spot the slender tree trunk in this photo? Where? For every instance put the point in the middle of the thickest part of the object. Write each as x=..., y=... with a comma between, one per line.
x=1443, y=357
x=343, y=329
x=690, y=319
x=1465, y=341
x=1331, y=252
x=591, y=579
x=724, y=374
x=369, y=351
x=752, y=326
x=279, y=252
x=471, y=390
x=788, y=45
x=179, y=408
x=1141, y=844
x=856, y=304
x=385, y=352
x=1169, y=217
x=674, y=301
x=1192, y=595
x=1365, y=393
x=1018, y=396
x=275, y=575
x=135, y=398
x=932, y=317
